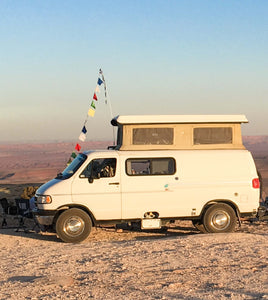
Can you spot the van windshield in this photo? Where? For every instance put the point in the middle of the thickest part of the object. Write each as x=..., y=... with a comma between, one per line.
x=73, y=167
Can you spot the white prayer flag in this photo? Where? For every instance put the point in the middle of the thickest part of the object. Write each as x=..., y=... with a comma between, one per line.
x=82, y=137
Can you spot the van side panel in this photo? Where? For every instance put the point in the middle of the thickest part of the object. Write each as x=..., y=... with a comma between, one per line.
x=201, y=176
x=218, y=175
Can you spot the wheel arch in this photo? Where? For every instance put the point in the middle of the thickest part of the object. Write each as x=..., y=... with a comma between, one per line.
x=217, y=201
x=65, y=207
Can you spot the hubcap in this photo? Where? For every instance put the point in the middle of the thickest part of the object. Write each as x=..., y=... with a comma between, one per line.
x=220, y=220
x=74, y=226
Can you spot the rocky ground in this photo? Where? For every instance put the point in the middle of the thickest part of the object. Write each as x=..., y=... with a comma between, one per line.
x=120, y=264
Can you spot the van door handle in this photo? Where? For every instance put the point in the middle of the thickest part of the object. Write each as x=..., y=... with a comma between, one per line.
x=114, y=183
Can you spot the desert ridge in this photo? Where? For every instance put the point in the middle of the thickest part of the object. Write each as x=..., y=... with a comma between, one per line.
x=32, y=163
x=37, y=162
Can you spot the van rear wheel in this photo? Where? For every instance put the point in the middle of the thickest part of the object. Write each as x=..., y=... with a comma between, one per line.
x=219, y=218
x=73, y=225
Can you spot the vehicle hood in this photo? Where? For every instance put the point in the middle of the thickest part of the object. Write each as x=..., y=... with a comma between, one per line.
x=55, y=187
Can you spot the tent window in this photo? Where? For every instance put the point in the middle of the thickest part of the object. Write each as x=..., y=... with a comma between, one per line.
x=213, y=135
x=152, y=136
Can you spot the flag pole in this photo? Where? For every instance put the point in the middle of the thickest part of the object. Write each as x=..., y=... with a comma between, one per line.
x=110, y=104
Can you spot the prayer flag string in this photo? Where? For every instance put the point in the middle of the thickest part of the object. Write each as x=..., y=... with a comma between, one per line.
x=91, y=113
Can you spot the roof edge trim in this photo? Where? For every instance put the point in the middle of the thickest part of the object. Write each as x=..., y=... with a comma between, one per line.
x=177, y=119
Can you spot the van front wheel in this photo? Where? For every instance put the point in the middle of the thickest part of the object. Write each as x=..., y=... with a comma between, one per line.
x=73, y=225
x=219, y=218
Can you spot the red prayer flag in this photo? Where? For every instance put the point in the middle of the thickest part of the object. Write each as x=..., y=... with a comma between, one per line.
x=95, y=97
x=77, y=147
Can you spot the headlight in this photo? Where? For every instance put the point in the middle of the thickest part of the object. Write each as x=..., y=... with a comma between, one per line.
x=43, y=199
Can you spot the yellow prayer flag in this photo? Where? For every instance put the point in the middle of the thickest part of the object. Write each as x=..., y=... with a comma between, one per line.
x=91, y=112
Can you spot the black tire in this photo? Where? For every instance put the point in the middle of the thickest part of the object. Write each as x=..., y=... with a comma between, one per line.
x=73, y=225
x=219, y=218
x=199, y=226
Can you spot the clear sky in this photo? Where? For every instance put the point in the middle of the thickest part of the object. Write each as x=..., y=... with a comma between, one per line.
x=158, y=57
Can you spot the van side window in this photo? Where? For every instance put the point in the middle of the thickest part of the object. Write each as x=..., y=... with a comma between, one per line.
x=213, y=135
x=98, y=168
x=150, y=166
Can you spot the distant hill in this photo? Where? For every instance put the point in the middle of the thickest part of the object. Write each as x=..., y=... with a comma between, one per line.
x=256, y=143
x=37, y=163
x=40, y=162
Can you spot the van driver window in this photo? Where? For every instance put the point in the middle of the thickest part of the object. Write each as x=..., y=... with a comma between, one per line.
x=99, y=168
x=150, y=166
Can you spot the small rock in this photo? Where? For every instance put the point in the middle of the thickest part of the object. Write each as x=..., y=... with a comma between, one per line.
x=175, y=285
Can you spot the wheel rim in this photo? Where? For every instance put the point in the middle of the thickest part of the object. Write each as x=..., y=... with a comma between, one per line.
x=220, y=220
x=74, y=226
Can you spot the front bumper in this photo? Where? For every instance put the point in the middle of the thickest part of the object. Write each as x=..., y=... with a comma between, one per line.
x=44, y=217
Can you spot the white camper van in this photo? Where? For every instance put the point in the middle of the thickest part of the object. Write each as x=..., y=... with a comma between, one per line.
x=163, y=168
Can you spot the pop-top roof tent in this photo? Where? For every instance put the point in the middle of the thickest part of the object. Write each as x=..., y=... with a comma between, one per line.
x=155, y=132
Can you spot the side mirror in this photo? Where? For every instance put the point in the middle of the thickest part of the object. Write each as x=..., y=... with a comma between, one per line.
x=92, y=177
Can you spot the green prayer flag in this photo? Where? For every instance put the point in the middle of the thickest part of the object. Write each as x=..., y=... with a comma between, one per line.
x=93, y=105
x=73, y=155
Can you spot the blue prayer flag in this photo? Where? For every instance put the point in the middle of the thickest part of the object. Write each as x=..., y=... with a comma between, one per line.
x=84, y=130
x=99, y=81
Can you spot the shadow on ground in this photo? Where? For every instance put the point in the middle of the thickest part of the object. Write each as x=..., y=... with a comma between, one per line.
x=117, y=233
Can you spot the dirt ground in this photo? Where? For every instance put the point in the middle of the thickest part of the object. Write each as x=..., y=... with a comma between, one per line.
x=117, y=263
